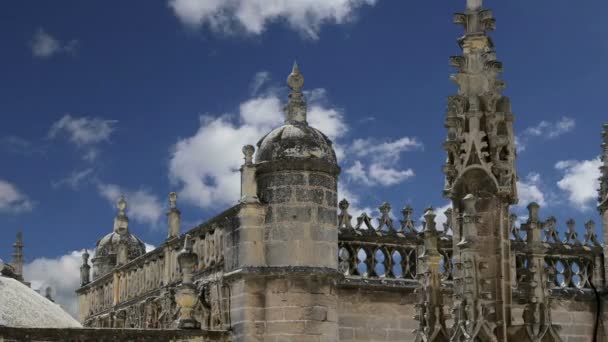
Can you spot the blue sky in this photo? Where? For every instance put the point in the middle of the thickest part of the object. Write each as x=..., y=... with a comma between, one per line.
x=144, y=98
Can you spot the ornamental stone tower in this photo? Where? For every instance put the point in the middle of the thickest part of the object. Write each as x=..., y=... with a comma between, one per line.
x=17, y=261
x=481, y=182
x=284, y=282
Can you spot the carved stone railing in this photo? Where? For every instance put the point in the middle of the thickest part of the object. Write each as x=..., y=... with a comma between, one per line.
x=571, y=264
x=381, y=249
x=384, y=249
x=140, y=294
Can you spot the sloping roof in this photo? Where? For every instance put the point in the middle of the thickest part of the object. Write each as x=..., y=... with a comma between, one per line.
x=22, y=307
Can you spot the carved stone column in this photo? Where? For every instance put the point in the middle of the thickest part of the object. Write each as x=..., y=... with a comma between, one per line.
x=474, y=306
x=173, y=217
x=186, y=296
x=430, y=308
x=85, y=269
x=535, y=286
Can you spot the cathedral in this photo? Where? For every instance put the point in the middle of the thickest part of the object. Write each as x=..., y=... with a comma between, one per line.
x=288, y=262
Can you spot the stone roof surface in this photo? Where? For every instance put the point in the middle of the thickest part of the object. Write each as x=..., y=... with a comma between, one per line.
x=295, y=141
x=109, y=245
x=22, y=307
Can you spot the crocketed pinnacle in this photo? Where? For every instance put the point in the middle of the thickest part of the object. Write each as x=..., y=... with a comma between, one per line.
x=295, y=110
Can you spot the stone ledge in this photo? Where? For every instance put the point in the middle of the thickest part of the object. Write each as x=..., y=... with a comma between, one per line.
x=281, y=272
x=101, y=334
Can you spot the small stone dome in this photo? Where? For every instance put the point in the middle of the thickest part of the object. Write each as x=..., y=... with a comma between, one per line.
x=108, y=245
x=296, y=140
x=110, y=250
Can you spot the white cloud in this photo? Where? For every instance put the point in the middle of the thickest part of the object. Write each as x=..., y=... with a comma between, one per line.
x=142, y=206
x=44, y=45
x=377, y=174
x=385, y=151
x=61, y=274
x=75, y=179
x=389, y=176
x=220, y=139
x=529, y=190
x=546, y=130
x=12, y=200
x=580, y=180
x=84, y=132
x=252, y=16
x=382, y=158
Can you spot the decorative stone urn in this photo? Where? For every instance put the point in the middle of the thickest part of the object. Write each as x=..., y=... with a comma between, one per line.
x=186, y=295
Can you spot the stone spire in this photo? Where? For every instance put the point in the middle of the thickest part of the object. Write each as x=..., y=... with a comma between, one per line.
x=474, y=311
x=480, y=178
x=173, y=217
x=121, y=221
x=479, y=118
x=17, y=261
x=536, y=284
x=430, y=308
x=85, y=269
x=295, y=110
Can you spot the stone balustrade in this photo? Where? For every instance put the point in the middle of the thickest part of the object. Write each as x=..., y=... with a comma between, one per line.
x=386, y=248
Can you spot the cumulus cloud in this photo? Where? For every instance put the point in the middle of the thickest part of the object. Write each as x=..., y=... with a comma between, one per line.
x=43, y=45
x=580, y=180
x=221, y=138
x=62, y=274
x=253, y=16
x=529, y=190
x=12, y=200
x=382, y=157
x=377, y=173
x=142, y=206
x=545, y=130
x=84, y=132
x=388, y=151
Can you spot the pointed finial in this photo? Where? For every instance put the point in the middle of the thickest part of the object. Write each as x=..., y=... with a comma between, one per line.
x=295, y=80
x=248, y=151
x=173, y=200
x=473, y=5
x=429, y=219
x=295, y=110
x=121, y=205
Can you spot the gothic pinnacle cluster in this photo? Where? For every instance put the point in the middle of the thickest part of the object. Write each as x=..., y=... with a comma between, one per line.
x=481, y=182
x=479, y=118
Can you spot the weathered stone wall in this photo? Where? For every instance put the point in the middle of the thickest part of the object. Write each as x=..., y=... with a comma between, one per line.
x=376, y=315
x=575, y=318
x=300, y=224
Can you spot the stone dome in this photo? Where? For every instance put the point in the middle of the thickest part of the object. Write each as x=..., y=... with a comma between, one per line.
x=295, y=140
x=108, y=245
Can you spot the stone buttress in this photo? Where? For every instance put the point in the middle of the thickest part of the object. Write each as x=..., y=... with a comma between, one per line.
x=284, y=279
